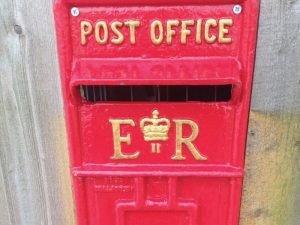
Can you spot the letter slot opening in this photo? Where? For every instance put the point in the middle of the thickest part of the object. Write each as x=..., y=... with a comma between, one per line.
x=156, y=93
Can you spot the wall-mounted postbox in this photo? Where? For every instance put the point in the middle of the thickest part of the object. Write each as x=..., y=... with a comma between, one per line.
x=156, y=96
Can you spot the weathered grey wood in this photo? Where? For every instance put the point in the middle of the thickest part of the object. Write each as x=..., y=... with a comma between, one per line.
x=277, y=71
x=271, y=193
x=4, y=210
x=35, y=184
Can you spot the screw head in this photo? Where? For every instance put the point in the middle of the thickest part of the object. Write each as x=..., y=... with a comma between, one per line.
x=75, y=11
x=237, y=9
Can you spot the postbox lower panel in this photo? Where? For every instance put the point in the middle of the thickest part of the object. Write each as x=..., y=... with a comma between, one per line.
x=162, y=200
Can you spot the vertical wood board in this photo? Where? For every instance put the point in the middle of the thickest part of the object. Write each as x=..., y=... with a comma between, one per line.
x=34, y=162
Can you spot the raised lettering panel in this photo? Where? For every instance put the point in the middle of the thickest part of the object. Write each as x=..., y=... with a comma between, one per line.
x=173, y=31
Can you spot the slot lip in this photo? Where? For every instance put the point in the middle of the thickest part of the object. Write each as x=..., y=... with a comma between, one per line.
x=150, y=82
x=178, y=103
x=159, y=71
x=156, y=71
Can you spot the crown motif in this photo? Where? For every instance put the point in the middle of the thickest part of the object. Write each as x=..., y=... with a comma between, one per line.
x=155, y=129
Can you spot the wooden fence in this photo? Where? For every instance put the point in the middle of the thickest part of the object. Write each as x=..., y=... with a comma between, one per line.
x=35, y=186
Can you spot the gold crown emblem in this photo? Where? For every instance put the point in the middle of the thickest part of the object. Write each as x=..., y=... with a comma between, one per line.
x=155, y=129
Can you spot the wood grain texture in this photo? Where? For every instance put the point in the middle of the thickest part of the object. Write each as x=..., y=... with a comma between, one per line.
x=35, y=186
x=271, y=194
x=271, y=183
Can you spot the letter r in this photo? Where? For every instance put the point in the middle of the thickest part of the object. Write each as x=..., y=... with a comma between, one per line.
x=180, y=141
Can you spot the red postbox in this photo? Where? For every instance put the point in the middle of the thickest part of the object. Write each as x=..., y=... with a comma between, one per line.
x=156, y=98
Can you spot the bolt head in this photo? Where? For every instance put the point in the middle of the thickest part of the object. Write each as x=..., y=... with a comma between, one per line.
x=75, y=11
x=237, y=9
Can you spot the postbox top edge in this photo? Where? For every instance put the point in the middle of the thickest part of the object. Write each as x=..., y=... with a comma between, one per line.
x=140, y=2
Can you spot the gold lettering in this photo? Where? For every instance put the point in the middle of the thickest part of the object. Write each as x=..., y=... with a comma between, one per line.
x=223, y=30
x=184, y=31
x=132, y=25
x=198, y=31
x=86, y=29
x=118, y=154
x=170, y=32
x=120, y=36
x=210, y=23
x=186, y=141
x=103, y=25
x=156, y=24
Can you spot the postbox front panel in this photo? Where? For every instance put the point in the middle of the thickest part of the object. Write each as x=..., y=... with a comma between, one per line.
x=156, y=98
x=212, y=127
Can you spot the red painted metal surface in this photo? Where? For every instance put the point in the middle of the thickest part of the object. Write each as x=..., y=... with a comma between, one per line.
x=156, y=184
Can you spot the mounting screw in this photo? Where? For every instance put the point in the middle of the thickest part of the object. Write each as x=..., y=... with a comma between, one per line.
x=75, y=11
x=237, y=9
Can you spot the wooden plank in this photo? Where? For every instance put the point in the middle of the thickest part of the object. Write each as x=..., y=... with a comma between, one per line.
x=277, y=70
x=271, y=194
x=271, y=181
x=34, y=162
x=4, y=207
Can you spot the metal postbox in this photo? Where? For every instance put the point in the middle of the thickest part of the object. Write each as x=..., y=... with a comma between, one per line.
x=156, y=97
